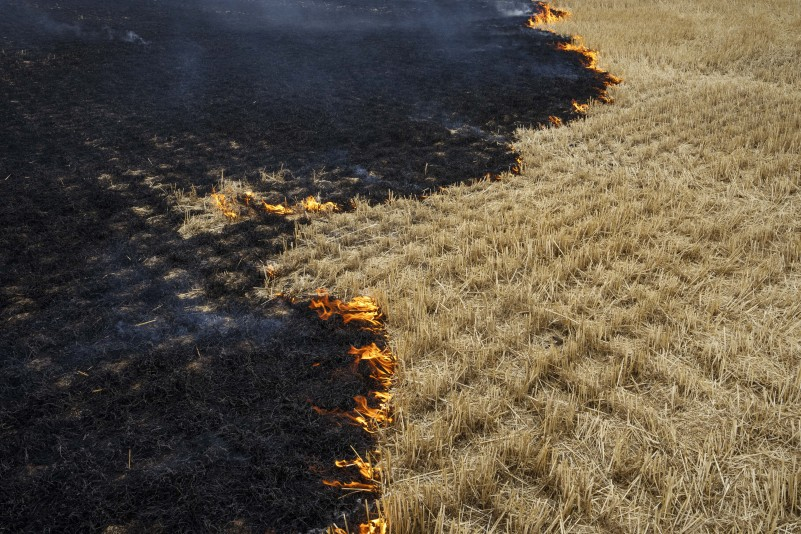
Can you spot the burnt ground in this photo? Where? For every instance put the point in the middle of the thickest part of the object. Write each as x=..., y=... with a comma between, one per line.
x=119, y=335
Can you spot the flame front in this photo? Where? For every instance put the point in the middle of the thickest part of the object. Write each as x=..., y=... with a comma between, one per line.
x=382, y=365
x=381, y=362
x=546, y=15
x=362, y=309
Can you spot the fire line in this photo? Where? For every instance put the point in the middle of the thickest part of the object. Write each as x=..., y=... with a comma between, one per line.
x=381, y=363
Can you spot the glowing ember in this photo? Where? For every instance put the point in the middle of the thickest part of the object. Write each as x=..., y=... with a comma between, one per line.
x=362, y=309
x=225, y=206
x=311, y=204
x=546, y=15
x=277, y=209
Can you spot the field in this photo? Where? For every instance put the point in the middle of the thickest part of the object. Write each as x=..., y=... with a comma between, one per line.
x=610, y=342
x=607, y=339
x=145, y=384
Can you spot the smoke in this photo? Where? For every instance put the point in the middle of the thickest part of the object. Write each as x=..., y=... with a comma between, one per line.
x=372, y=91
x=24, y=24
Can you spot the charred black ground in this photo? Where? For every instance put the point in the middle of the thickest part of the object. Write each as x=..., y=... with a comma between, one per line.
x=117, y=334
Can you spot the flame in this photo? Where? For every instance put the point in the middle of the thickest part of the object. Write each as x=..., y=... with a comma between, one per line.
x=370, y=474
x=517, y=168
x=554, y=120
x=368, y=418
x=546, y=15
x=366, y=469
x=580, y=108
x=362, y=309
x=374, y=526
x=277, y=209
x=311, y=204
x=381, y=362
x=224, y=205
x=589, y=58
x=271, y=271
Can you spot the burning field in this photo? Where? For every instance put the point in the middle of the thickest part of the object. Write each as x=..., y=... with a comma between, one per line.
x=156, y=158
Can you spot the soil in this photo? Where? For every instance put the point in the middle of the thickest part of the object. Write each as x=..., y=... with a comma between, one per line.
x=142, y=385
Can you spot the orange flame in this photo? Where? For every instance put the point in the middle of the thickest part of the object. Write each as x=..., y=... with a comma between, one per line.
x=589, y=56
x=368, y=418
x=371, y=475
x=224, y=205
x=517, y=168
x=381, y=362
x=311, y=204
x=277, y=209
x=366, y=469
x=362, y=309
x=546, y=15
x=554, y=120
x=580, y=108
x=374, y=526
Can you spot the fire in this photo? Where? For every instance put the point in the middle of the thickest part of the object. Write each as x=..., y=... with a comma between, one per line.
x=362, y=309
x=580, y=108
x=374, y=526
x=311, y=204
x=517, y=168
x=554, y=120
x=590, y=57
x=546, y=15
x=224, y=205
x=233, y=205
x=277, y=209
x=381, y=362
x=366, y=469
x=367, y=418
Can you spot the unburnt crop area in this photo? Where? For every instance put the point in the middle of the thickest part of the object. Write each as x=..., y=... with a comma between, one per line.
x=156, y=158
